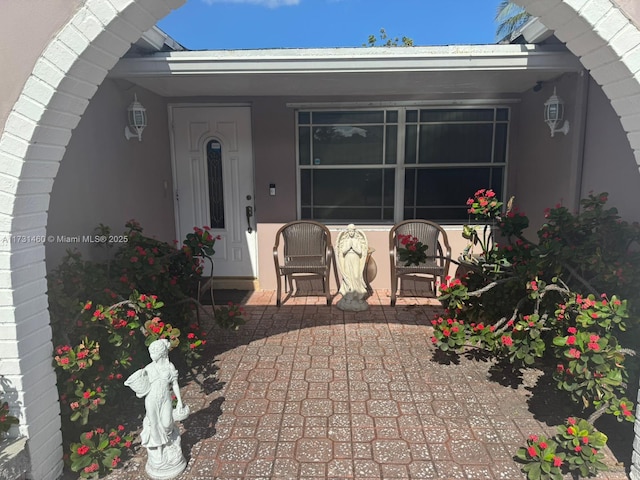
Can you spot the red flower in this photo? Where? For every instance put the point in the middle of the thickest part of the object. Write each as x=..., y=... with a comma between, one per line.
x=557, y=461
x=87, y=394
x=82, y=450
x=572, y=330
x=507, y=340
x=571, y=340
x=532, y=451
x=578, y=448
x=543, y=445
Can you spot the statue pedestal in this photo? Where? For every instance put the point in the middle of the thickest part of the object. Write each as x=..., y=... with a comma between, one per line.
x=350, y=304
x=166, y=462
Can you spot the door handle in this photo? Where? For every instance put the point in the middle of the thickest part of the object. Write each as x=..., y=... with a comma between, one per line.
x=249, y=211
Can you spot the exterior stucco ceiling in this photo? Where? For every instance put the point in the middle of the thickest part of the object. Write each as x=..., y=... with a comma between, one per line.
x=477, y=70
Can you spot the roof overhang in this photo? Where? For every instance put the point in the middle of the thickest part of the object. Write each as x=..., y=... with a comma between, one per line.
x=408, y=71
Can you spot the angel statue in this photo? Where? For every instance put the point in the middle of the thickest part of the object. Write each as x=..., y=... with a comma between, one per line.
x=160, y=435
x=352, y=256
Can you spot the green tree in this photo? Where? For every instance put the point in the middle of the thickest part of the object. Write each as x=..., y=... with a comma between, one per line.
x=509, y=18
x=386, y=41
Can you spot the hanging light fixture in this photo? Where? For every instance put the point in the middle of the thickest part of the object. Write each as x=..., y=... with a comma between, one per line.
x=137, y=115
x=554, y=114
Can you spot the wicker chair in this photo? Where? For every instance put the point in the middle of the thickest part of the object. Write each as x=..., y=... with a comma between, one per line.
x=438, y=253
x=306, y=253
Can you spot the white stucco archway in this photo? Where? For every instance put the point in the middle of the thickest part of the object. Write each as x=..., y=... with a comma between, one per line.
x=39, y=127
x=56, y=95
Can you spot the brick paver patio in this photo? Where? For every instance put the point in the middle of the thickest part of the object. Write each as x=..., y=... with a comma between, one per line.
x=307, y=391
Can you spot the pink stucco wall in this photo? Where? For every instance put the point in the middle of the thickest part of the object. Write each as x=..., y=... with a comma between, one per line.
x=105, y=178
x=631, y=8
x=20, y=47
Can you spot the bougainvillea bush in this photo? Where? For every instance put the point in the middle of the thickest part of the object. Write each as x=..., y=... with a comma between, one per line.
x=104, y=316
x=566, y=305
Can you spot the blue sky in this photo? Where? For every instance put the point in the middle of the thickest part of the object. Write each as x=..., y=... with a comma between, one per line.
x=242, y=24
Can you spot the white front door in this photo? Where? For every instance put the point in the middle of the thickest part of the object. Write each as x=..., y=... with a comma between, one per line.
x=213, y=182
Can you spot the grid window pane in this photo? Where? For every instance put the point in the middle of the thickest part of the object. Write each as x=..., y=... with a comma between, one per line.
x=304, y=118
x=391, y=144
x=411, y=144
x=457, y=115
x=332, y=118
x=360, y=187
x=500, y=155
x=304, y=145
x=446, y=190
x=348, y=145
x=455, y=143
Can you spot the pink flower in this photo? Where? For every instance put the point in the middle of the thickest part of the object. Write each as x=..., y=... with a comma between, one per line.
x=572, y=330
x=557, y=461
x=571, y=340
x=507, y=340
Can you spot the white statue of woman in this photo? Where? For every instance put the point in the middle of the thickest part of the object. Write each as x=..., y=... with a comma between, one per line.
x=352, y=257
x=160, y=435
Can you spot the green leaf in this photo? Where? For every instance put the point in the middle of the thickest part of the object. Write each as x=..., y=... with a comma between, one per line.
x=81, y=462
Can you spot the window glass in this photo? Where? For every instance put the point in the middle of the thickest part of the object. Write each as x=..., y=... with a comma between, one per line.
x=304, y=145
x=348, y=145
x=441, y=190
x=391, y=144
x=455, y=143
x=502, y=114
x=332, y=118
x=357, y=194
x=500, y=148
x=456, y=115
x=411, y=144
x=304, y=118
x=214, y=178
x=412, y=116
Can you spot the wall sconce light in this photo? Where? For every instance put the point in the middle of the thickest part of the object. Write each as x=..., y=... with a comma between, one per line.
x=137, y=115
x=554, y=114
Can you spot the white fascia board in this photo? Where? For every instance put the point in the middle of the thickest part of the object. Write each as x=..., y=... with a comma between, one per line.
x=348, y=60
x=534, y=31
x=155, y=39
